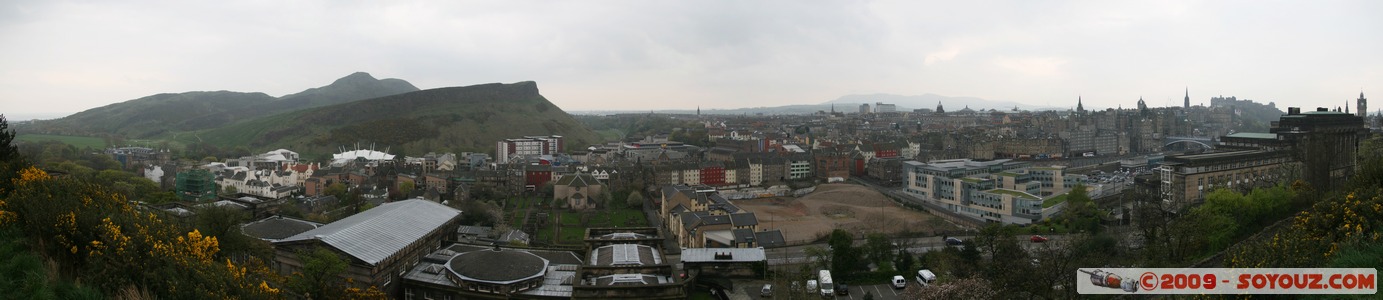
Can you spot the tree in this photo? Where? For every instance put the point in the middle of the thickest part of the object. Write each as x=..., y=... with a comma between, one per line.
x=1080, y=212
x=223, y=223
x=406, y=188
x=966, y=288
x=820, y=257
x=337, y=190
x=1007, y=264
x=878, y=248
x=229, y=190
x=845, y=259
x=905, y=261
x=635, y=200
x=320, y=276
x=8, y=151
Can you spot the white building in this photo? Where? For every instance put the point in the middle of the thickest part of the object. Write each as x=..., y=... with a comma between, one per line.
x=880, y=107
x=527, y=146
x=154, y=173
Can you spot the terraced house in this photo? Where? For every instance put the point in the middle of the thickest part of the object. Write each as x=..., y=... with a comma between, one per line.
x=699, y=217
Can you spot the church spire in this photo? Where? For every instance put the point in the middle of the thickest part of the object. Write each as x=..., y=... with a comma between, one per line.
x=1187, y=103
x=1080, y=107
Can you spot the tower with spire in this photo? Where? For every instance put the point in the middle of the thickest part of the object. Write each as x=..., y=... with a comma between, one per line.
x=1362, y=105
x=1187, y=103
x=939, y=109
x=1080, y=107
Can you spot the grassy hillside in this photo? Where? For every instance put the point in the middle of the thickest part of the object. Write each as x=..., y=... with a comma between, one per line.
x=155, y=115
x=468, y=118
x=77, y=141
x=162, y=114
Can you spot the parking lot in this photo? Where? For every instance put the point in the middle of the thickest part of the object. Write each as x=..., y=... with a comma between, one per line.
x=880, y=291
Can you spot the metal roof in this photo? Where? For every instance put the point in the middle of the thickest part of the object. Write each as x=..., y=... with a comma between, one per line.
x=375, y=234
x=734, y=254
x=1254, y=135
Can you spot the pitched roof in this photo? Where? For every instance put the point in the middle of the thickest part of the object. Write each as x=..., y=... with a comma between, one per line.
x=375, y=234
x=744, y=219
x=770, y=239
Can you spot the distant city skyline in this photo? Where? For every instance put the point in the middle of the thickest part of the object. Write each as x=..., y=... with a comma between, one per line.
x=66, y=57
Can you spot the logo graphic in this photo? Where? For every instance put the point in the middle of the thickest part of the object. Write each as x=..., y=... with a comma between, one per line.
x=1110, y=280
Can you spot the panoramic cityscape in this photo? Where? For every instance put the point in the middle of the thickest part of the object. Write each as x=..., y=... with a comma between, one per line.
x=710, y=155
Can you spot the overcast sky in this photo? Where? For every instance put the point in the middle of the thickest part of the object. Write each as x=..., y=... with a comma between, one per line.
x=61, y=57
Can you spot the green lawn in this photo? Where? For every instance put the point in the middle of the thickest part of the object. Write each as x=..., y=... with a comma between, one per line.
x=610, y=134
x=76, y=141
x=1054, y=201
x=574, y=233
x=1013, y=193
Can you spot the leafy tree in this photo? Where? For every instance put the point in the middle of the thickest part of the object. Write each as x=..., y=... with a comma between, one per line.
x=845, y=259
x=8, y=151
x=320, y=276
x=635, y=200
x=878, y=248
x=223, y=223
x=904, y=262
x=338, y=190
x=1080, y=212
x=406, y=188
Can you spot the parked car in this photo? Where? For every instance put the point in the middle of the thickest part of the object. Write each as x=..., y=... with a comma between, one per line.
x=899, y=282
x=953, y=241
x=767, y=291
x=842, y=289
x=1038, y=239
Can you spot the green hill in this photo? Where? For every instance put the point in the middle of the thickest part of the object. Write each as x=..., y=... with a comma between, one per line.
x=468, y=118
x=156, y=115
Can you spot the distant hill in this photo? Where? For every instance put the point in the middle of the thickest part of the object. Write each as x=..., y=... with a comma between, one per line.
x=155, y=115
x=468, y=118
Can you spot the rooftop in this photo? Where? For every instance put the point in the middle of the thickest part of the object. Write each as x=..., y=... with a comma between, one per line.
x=625, y=254
x=723, y=255
x=1014, y=193
x=498, y=266
x=380, y=232
x=277, y=227
x=1254, y=135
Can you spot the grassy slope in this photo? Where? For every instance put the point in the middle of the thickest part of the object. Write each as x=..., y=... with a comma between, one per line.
x=168, y=115
x=78, y=141
x=447, y=119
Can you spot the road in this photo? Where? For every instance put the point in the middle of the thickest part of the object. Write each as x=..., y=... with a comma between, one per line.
x=880, y=292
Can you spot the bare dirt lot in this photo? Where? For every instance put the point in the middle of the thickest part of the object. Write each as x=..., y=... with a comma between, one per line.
x=855, y=208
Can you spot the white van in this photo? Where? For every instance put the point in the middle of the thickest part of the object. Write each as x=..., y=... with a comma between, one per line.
x=828, y=287
x=925, y=277
x=899, y=282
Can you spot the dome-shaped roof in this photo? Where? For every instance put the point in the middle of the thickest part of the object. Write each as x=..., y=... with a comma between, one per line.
x=502, y=266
